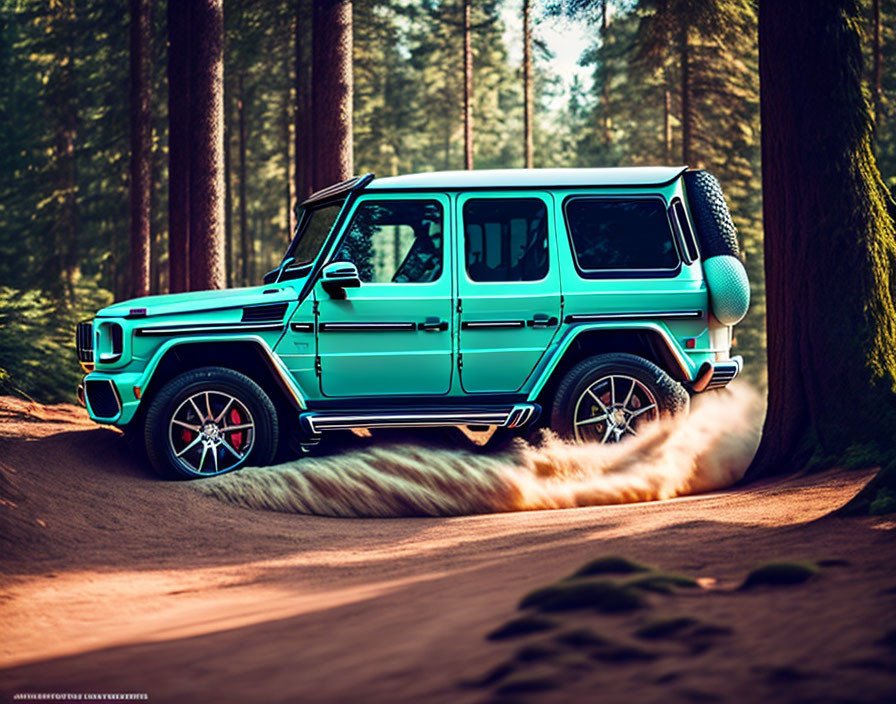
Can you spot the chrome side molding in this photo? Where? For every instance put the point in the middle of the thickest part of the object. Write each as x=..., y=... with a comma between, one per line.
x=315, y=422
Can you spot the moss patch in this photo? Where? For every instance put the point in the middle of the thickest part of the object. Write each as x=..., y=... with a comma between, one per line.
x=522, y=626
x=603, y=596
x=780, y=574
x=663, y=583
x=610, y=565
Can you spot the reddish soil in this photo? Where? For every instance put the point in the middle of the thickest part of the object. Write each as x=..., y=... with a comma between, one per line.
x=114, y=581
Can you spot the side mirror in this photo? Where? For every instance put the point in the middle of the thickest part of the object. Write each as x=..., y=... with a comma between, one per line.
x=338, y=276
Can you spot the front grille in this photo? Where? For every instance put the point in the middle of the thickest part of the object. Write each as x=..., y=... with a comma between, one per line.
x=267, y=313
x=102, y=397
x=84, y=342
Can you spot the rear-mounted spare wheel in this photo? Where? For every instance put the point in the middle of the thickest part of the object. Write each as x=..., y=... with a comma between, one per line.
x=726, y=278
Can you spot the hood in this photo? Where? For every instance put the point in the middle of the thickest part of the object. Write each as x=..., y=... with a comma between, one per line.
x=198, y=301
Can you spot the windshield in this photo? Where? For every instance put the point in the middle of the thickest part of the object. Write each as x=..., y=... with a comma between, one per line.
x=314, y=226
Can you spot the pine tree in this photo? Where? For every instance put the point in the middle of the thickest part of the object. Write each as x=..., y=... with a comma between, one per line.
x=332, y=92
x=141, y=146
x=831, y=347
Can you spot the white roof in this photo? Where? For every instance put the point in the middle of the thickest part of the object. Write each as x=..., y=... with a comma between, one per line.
x=531, y=178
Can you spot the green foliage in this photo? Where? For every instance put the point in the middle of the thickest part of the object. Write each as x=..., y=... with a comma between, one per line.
x=780, y=574
x=522, y=626
x=610, y=565
x=37, y=351
x=603, y=596
x=663, y=583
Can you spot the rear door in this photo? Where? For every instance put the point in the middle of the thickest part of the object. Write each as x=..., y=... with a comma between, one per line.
x=508, y=287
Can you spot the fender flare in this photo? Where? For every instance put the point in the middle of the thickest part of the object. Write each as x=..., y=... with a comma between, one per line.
x=280, y=373
x=687, y=368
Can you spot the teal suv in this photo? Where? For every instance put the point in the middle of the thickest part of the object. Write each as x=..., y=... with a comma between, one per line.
x=591, y=301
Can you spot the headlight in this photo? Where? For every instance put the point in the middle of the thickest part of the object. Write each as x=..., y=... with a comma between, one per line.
x=109, y=343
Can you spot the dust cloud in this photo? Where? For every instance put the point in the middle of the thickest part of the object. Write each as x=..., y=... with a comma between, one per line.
x=706, y=450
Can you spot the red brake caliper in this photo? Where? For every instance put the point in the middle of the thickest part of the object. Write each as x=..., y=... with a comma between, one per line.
x=236, y=439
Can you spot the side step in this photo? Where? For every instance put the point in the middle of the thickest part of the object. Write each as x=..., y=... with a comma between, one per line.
x=315, y=422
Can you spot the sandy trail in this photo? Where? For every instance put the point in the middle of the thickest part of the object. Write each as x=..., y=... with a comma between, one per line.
x=113, y=581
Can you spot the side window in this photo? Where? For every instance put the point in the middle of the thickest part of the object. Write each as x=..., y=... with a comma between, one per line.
x=395, y=241
x=611, y=234
x=506, y=239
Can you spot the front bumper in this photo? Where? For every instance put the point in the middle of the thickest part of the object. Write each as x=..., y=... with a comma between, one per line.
x=109, y=398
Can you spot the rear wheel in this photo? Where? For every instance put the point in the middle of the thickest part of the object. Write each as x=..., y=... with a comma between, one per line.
x=609, y=397
x=210, y=421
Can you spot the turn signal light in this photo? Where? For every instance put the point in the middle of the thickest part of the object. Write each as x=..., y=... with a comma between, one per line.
x=137, y=392
x=690, y=343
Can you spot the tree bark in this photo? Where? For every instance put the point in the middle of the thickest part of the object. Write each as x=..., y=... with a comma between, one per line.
x=207, y=269
x=527, y=86
x=685, y=61
x=287, y=158
x=245, y=244
x=331, y=90
x=228, y=184
x=605, y=89
x=141, y=146
x=667, y=125
x=304, y=154
x=878, y=63
x=63, y=269
x=830, y=246
x=468, y=89
x=178, y=14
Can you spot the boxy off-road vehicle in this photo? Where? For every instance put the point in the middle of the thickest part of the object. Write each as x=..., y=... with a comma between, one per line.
x=591, y=301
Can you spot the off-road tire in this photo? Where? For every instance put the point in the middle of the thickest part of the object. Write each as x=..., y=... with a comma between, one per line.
x=715, y=229
x=221, y=379
x=671, y=396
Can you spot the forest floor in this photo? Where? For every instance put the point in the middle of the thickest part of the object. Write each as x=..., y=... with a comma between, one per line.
x=113, y=581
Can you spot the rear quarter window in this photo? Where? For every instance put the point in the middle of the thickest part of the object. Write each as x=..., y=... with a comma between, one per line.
x=612, y=236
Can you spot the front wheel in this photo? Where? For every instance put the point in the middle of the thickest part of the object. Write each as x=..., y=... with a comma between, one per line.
x=210, y=421
x=609, y=397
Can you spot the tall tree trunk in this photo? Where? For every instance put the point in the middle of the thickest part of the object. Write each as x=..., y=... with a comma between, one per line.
x=178, y=14
x=288, y=191
x=245, y=244
x=468, y=89
x=685, y=61
x=228, y=184
x=304, y=154
x=527, y=85
x=207, y=269
x=331, y=90
x=141, y=145
x=667, y=125
x=878, y=63
x=605, y=89
x=830, y=245
x=62, y=262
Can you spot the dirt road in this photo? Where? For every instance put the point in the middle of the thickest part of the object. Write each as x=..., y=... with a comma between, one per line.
x=113, y=581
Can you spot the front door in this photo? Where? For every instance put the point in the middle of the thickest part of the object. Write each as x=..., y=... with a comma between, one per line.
x=392, y=335
x=508, y=286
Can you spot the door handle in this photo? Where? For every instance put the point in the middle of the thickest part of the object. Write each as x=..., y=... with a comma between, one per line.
x=540, y=320
x=433, y=325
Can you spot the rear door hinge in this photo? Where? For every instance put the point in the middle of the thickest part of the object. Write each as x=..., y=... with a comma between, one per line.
x=317, y=365
x=459, y=305
x=460, y=361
